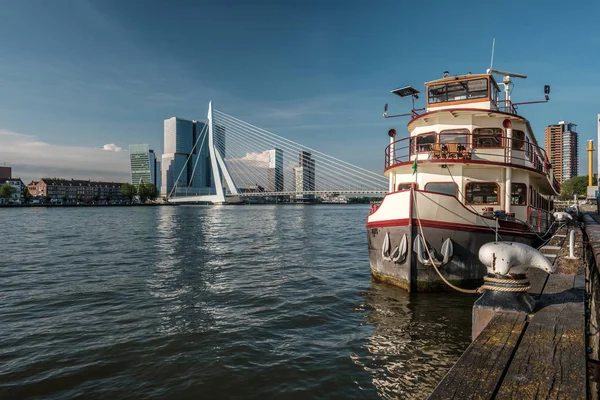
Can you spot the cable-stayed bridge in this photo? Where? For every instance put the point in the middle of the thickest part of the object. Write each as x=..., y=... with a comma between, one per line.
x=243, y=160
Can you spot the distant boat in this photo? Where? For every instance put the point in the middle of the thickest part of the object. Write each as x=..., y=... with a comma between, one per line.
x=469, y=172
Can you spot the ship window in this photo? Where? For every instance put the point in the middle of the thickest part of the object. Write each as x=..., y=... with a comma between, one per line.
x=478, y=89
x=455, y=136
x=518, y=195
x=481, y=193
x=518, y=140
x=424, y=141
x=437, y=94
x=527, y=149
x=442, y=187
x=458, y=90
x=407, y=185
x=487, y=137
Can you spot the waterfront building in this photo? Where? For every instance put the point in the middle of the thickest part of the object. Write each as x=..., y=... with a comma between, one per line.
x=7, y=178
x=561, y=145
x=275, y=171
x=33, y=188
x=185, y=166
x=145, y=168
x=305, y=177
x=77, y=191
x=18, y=185
x=5, y=172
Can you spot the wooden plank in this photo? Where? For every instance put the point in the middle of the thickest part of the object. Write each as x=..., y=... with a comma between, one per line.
x=537, y=280
x=550, y=248
x=558, y=289
x=550, y=359
x=479, y=370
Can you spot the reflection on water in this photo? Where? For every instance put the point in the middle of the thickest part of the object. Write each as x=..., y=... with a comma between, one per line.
x=416, y=339
x=253, y=302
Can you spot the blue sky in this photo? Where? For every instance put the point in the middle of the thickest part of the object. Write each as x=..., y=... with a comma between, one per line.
x=77, y=75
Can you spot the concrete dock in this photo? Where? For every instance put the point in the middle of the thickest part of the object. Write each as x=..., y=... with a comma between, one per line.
x=551, y=353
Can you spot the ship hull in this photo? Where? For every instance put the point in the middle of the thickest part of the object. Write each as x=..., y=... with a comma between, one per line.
x=440, y=220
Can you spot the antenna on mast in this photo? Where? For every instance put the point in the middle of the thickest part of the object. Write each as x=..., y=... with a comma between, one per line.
x=493, y=45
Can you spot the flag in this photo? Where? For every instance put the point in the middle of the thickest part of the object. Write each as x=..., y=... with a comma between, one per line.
x=414, y=166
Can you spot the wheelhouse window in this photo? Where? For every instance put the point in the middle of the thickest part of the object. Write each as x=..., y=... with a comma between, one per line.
x=442, y=187
x=518, y=194
x=518, y=140
x=460, y=136
x=487, y=137
x=478, y=88
x=458, y=90
x=424, y=142
x=481, y=193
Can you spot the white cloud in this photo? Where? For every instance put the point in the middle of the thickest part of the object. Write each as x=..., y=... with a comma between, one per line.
x=112, y=147
x=253, y=157
x=32, y=159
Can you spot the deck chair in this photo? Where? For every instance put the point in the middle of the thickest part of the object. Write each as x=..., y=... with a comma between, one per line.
x=452, y=150
x=436, y=150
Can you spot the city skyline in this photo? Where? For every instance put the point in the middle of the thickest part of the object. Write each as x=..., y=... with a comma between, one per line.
x=72, y=102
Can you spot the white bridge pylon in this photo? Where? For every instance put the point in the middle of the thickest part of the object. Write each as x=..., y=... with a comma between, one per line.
x=248, y=161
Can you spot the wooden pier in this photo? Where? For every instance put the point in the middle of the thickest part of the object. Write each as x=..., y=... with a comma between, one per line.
x=546, y=354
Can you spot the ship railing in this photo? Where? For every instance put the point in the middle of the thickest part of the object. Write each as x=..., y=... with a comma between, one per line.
x=539, y=219
x=469, y=146
x=506, y=106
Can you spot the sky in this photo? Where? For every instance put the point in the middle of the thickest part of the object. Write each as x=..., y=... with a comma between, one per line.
x=80, y=80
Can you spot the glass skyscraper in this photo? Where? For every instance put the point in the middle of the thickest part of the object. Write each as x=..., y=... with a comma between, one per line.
x=185, y=166
x=144, y=166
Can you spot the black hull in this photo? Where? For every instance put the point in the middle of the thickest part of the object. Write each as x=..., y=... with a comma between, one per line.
x=464, y=270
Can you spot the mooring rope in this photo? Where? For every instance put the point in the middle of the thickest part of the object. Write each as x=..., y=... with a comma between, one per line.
x=491, y=283
x=468, y=291
x=512, y=285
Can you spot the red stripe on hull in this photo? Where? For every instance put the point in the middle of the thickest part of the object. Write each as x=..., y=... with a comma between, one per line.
x=388, y=223
x=447, y=225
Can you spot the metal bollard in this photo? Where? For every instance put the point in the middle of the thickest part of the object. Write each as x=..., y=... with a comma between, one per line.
x=506, y=285
x=572, y=243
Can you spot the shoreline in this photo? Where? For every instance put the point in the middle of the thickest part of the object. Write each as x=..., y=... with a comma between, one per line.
x=83, y=205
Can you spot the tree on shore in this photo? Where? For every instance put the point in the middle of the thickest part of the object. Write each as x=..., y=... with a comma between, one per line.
x=129, y=191
x=574, y=186
x=147, y=191
x=26, y=195
x=7, y=191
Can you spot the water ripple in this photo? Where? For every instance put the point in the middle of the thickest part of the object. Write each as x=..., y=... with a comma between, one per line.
x=253, y=302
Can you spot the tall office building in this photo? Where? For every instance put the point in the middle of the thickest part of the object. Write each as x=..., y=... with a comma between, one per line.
x=305, y=176
x=275, y=171
x=144, y=166
x=186, y=160
x=561, y=144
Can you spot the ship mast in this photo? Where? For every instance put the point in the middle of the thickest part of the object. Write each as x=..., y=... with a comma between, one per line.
x=508, y=108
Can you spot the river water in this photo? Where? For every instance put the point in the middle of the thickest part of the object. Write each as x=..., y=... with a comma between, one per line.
x=256, y=302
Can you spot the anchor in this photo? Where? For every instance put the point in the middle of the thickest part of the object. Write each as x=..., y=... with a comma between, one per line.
x=399, y=254
x=447, y=252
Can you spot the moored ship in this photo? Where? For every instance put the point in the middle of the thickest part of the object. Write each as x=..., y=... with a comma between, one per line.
x=469, y=172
